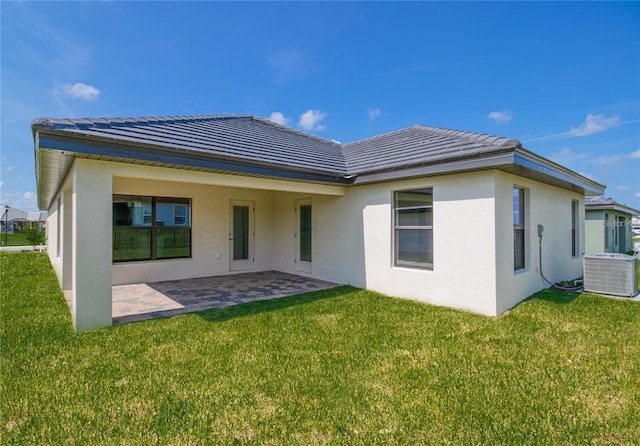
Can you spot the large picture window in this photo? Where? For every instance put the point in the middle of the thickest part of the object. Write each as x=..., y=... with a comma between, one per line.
x=151, y=228
x=518, y=229
x=413, y=228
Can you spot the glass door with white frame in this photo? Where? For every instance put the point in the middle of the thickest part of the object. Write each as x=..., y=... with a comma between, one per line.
x=241, y=235
x=303, y=236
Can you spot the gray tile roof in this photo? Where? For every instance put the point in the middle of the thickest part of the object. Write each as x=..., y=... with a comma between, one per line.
x=419, y=145
x=251, y=145
x=237, y=137
x=254, y=139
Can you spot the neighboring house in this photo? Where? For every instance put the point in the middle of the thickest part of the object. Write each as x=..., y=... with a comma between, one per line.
x=240, y=193
x=635, y=222
x=14, y=219
x=608, y=225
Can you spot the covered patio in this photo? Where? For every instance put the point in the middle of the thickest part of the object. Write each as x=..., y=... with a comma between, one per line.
x=144, y=301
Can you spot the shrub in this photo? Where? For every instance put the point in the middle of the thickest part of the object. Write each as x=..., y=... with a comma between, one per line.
x=34, y=233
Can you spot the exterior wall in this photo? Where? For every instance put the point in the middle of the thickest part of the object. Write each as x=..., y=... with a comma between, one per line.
x=352, y=235
x=624, y=231
x=595, y=231
x=211, y=195
x=549, y=206
x=605, y=233
x=352, y=241
x=210, y=209
x=59, y=235
x=67, y=253
x=337, y=238
x=463, y=274
x=54, y=227
x=91, y=245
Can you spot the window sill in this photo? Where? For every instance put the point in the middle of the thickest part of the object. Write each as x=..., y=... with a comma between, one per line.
x=134, y=262
x=414, y=268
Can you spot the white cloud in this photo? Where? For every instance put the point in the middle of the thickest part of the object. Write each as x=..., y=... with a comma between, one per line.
x=566, y=155
x=10, y=168
x=78, y=91
x=618, y=157
x=1, y=183
x=637, y=195
x=500, y=117
x=595, y=124
x=623, y=187
x=374, y=113
x=310, y=120
x=279, y=118
x=588, y=175
x=608, y=160
x=26, y=201
x=290, y=64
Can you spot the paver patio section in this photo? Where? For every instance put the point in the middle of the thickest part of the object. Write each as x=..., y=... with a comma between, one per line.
x=138, y=302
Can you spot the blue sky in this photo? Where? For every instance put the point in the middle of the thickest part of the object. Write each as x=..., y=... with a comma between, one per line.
x=563, y=78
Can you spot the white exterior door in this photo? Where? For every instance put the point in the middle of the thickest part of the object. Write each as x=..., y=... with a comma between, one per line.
x=241, y=235
x=303, y=236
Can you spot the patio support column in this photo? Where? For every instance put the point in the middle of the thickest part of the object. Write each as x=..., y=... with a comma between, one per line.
x=92, y=208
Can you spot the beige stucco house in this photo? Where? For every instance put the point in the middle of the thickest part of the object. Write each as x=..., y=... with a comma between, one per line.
x=441, y=216
x=608, y=225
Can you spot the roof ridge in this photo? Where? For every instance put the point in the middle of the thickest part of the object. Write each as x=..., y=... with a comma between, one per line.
x=484, y=138
x=500, y=141
x=149, y=120
x=128, y=121
x=288, y=129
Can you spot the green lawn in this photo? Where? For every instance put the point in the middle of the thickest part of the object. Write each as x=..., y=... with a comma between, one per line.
x=343, y=366
x=17, y=239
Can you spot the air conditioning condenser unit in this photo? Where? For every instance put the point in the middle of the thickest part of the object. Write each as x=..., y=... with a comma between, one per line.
x=608, y=273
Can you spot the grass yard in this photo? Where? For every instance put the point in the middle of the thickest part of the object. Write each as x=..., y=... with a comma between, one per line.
x=17, y=239
x=342, y=366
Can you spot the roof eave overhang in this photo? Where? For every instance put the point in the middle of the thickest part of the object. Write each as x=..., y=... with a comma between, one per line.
x=55, y=154
x=515, y=161
x=542, y=169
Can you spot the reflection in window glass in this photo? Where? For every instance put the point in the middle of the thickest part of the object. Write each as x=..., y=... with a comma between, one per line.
x=413, y=228
x=518, y=229
x=150, y=228
x=305, y=233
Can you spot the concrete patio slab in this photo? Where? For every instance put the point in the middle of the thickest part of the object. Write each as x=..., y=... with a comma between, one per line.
x=139, y=298
x=139, y=302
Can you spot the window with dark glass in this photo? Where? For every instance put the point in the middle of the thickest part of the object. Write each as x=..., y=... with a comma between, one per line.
x=305, y=233
x=518, y=229
x=413, y=228
x=240, y=232
x=574, y=228
x=151, y=228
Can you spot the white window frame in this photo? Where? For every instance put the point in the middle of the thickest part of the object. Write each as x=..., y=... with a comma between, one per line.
x=521, y=226
x=179, y=217
x=397, y=229
x=575, y=225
